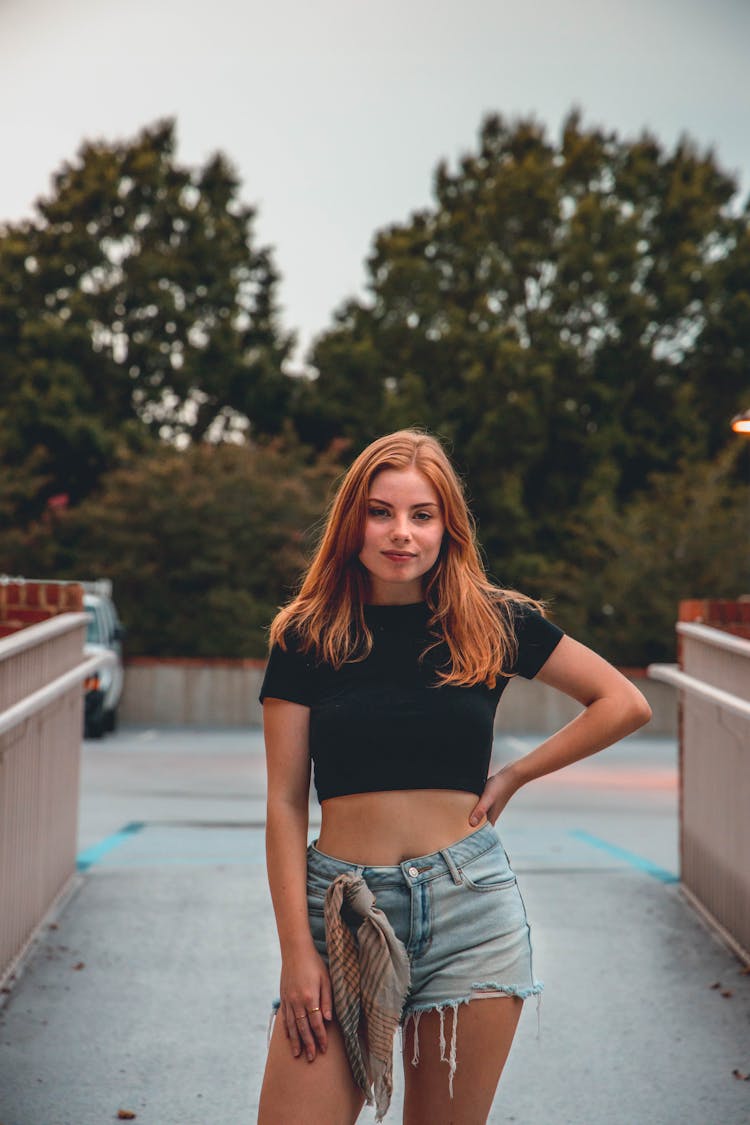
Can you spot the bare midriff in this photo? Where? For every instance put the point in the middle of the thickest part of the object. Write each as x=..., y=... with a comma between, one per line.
x=384, y=829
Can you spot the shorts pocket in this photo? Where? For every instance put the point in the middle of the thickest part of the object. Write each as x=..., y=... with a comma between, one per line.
x=489, y=871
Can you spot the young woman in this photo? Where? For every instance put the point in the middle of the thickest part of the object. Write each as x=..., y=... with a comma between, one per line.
x=385, y=671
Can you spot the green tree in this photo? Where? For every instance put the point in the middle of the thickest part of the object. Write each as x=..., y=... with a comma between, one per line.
x=134, y=305
x=685, y=536
x=572, y=317
x=202, y=545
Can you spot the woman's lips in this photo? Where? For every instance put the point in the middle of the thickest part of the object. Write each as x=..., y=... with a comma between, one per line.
x=398, y=556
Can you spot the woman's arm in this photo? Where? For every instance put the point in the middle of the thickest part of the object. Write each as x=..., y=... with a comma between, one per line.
x=613, y=708
x=305, y=983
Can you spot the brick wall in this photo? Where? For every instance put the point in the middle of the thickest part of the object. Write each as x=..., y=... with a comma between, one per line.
x=25, y=603
x=718, y=613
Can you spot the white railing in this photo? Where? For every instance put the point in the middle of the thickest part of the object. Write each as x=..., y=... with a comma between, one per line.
x=42, y=669
x=671, y=674
x=714, y=686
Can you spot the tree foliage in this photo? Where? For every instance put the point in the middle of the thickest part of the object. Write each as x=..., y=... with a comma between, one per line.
x=202, y=545
x=687, y=535
x=572, y=317
x=134, y=306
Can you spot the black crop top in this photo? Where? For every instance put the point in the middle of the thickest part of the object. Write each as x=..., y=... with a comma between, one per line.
x=380, y=723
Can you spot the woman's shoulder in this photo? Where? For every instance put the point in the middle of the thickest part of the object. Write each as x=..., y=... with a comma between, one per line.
x=536, y=636
x=288, y=640
x=290, y=671
x=286, y=633
x=513, y=607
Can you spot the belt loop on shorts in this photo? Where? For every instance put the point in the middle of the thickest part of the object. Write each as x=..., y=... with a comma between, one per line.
x=455, y=873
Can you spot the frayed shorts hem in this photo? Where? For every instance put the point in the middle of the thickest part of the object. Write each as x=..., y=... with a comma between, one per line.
x=485, y=987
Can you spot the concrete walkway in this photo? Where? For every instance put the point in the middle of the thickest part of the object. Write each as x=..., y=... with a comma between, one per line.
x=152, y=992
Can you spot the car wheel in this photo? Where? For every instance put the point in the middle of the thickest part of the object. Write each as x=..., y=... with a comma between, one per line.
x=94, y=728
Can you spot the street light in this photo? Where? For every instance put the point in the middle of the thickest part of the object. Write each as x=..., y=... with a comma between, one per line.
x=741, y=425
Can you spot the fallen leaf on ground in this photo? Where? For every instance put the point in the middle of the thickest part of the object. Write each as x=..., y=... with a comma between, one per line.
x=716, y=984
x=727, y=993
x=125, y=1115
x=740, y=1075
x=80, y=965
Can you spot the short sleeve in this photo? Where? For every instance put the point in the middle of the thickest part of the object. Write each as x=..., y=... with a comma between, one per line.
x=290, y=675
x=537, y=638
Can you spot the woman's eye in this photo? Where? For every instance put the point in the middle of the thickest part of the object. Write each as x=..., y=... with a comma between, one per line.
x=421, y=517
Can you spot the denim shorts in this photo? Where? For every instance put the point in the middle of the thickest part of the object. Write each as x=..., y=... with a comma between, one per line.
x=458, y=912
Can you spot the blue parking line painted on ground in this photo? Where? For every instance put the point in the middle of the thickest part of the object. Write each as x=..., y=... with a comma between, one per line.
x=94, y=854
x=631, y=858
x=182, y=861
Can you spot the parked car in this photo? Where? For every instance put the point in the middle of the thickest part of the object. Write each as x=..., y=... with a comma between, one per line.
x=104, y=633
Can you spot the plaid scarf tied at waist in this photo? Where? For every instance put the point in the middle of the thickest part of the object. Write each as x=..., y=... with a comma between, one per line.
x=370, y=980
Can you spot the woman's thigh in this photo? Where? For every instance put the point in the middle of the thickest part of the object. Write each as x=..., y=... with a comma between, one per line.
x=321, y=1092
x=485, y=1032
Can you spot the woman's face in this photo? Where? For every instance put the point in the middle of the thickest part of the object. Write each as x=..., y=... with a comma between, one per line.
x=403, y=533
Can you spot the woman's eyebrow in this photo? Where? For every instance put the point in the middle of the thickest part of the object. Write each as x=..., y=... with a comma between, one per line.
x=387, y=503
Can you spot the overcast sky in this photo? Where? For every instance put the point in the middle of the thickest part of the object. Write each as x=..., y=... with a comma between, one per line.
x=335, y=113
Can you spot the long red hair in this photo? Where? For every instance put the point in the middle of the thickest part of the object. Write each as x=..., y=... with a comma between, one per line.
x=470, y=614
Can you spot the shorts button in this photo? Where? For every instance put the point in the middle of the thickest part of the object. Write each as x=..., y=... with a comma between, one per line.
x=413, y=871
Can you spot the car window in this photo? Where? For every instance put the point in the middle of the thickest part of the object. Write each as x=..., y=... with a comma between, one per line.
x=93, y=628
x=108, y=620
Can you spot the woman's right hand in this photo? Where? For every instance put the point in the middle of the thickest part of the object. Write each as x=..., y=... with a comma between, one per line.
x=306, y=1002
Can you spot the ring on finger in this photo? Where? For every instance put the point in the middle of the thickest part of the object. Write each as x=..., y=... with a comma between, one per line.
x=311, y=1010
